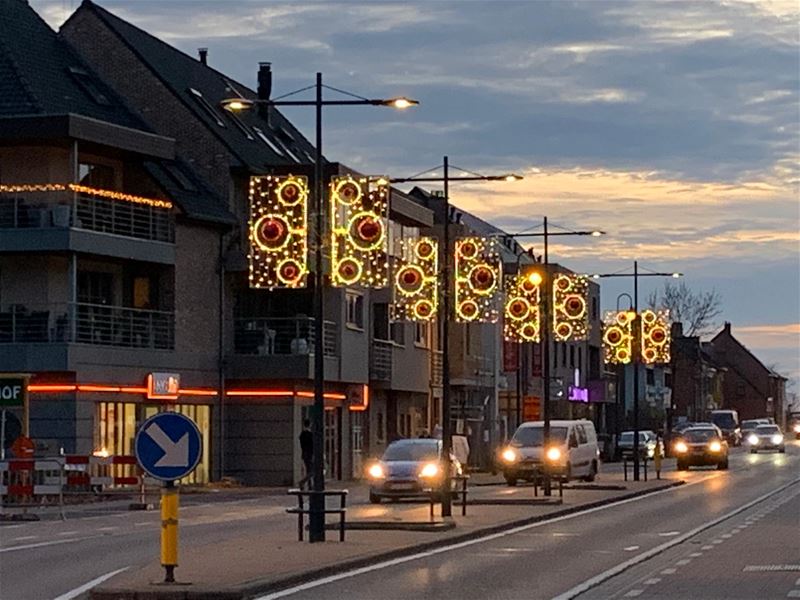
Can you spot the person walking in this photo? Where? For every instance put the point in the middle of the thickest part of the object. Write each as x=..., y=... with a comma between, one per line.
x=307, y=453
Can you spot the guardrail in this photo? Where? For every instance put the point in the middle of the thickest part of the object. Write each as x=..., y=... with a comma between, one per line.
x=276, y=335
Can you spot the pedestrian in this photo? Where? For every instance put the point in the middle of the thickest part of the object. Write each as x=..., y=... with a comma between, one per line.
x=307, y=453
x=657, y=456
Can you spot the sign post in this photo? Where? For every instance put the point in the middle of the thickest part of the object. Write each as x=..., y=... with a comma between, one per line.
x=14, y=396
x=168, y=447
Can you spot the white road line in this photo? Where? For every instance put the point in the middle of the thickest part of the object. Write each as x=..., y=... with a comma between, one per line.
x=669, y=571
x=717, y=541
x=633, y=593
x=669, y=533
x=797, y=582
x=706, y=547
x=652, y=581
x=41, y=544
x=683, y=562
x=88, y=585
x=107, y=528
x=68, y=533
x=793, y=594
x=726, y=536
x=696, y=554
x=630, y=548
x=25, y=537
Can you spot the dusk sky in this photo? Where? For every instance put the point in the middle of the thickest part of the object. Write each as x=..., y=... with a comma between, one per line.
x=675, y=127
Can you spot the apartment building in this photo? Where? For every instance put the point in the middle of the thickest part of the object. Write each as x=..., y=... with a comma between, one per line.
x=371, y=367
x=100, y=274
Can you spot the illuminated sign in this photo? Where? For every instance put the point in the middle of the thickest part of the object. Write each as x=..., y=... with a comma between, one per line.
x=655, y=337
x=163, y=386
x=618, y=337
x=570, y=316
x=416, y=281
x=521, y=311
x=478, y=273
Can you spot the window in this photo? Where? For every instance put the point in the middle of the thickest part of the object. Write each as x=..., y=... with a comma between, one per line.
x=572, y=356
x=204, y=104
x=594, y=308
x=421, y=334
x=380, y=321
x=355, y=310
x=581, y=434
x=96, y=288
x=97, y=176
x=651, y=377
x=260, y=133
x=563, y=355
x=89, y=85
x=398, y=332
x=580, y=358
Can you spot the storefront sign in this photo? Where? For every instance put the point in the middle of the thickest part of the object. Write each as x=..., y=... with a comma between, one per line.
x=358, y=397
x=531, y=408
x=12, y=392
x=163, y=386
x=578, y=394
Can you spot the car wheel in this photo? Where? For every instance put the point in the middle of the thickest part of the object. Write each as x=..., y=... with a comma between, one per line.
x=511, y=480
x=681, y=466
x=592, y=472
x=374, y=498
x=752, y=451
x=782, y=449
x=723, y=465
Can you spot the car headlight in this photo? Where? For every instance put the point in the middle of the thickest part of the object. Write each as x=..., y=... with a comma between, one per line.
x=681, y=447
x=796, y=428
x=737, y=430
x=510, y=455
x=429, y=470
x=777, y=438
x=553, y=454
x=376, y=471
x=715, y=446
x=753, y=439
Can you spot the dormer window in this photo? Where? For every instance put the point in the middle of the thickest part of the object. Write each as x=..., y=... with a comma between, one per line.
x=274, y=147
x=206, y=106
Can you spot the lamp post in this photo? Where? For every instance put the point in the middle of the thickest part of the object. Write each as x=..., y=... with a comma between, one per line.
x=316, y=521
x=636, y=351
x=547, y=285
x=444, y=312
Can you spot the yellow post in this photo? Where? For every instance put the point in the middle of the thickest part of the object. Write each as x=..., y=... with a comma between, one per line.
x=169, y=530
x=657, y=458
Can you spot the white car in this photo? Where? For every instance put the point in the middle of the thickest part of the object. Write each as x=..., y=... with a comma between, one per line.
x=766, y=437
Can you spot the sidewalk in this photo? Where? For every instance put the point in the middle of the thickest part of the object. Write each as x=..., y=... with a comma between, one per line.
x=251, y=565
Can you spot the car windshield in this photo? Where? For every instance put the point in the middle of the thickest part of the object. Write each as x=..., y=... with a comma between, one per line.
x=627, y=437
x=767, y=429
x=749, y=424
x=699, y=435
x=532, y=436
x=723, y=420
x=412, y=451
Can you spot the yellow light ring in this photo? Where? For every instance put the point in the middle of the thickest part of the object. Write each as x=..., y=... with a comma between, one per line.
x=285, y=276
x=474, y=282
x=302, y=191
x=468, y=310
x=255, y=233
x=424, y=310
x=563, y=283
x=403, y=283
x=563, y=331
x=346, y=264
x=343, y=183
x=523, y=308
x=352, y=225
x=574, y=306
x=425, y=249
x=529, y=332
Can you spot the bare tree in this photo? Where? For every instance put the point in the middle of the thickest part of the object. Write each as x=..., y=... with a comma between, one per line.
x=697, y=311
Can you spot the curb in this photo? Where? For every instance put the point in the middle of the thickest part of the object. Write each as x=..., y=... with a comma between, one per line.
x=394, y=526
x=258, y=587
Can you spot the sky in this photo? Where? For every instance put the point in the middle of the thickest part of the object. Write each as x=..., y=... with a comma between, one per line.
x=672, y=126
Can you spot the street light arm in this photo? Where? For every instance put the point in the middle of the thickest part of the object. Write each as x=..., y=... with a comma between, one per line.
x=607, y=275
x=240, y=104
x=507, y=177
x=594, y=233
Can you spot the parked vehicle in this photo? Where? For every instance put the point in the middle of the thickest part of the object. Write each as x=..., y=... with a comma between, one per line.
x=794, y=424
x=648, y=441
x=701, y=446
x=749, y=426
x=766, y=437
x=408, y=469
x=728, y=422
x=572, y=452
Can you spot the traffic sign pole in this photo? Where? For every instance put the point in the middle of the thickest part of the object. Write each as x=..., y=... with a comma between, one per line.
x=169, y=530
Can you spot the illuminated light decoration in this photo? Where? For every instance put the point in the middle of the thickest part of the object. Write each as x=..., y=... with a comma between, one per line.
x=278, y=256
x=570, y=299
x=655, y=333
x=358, y=235
x=83, y=189
x=618, y=337
x=105, y=389
x=416, y=281
x=522, y=316
x=478, y=273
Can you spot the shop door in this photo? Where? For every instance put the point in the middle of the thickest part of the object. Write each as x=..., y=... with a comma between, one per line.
x=333, y=466
x=357, y=425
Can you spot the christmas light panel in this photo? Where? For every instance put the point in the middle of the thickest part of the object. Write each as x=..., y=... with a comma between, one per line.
x=655, y=337
x=570, y=299
x=278, y=226
x=478, y=273
x=416, y=281
x=522, y=316
x=359, y=225
x=618, y=337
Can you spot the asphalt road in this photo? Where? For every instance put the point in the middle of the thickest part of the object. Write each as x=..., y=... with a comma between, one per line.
x=726, y=534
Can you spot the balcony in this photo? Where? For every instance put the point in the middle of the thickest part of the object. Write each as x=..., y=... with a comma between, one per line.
x=82, y=323
x=380, y=360
x=68, y=220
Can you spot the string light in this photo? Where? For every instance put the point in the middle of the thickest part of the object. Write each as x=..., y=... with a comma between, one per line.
x=655, y=337
x=478, y=274
x=278, y=232
x=83, y=189
x=522, y=315
x=416, y=281
x=570, y=299
x=359, y=224
x=618, y=337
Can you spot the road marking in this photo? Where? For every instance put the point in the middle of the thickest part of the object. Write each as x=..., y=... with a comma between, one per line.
x=630, y=548
x=683, y=562
x=669, y=533
x=771, y=568
x=68, y=533
x=41, y=544
x=633, y=593
x=25, y=537
x=668, y=571
x=717, y=541
x=706, y=547
x=793, y=594
x=143, y=524
x=797, y=582
x=696, y=554
x=107, y=528
x=726, y=536
x=652, y=581
x=89, y=585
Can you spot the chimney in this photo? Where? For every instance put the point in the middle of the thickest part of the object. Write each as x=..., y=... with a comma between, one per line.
x=677, y=330
x=203, y=53
x=727, y=328
x=264, y=80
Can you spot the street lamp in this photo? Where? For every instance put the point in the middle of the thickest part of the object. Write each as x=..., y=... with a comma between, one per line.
x=316, y=521
x=636, y=348
x=444, y=310
x=545, y=330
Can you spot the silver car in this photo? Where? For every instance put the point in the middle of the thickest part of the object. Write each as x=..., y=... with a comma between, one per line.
x=409, y=469
x=766, y=437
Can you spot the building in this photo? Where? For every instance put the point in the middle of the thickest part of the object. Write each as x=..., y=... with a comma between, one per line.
x=749, y=386
x=267, y=336
x=99, y=275
x=697, y=378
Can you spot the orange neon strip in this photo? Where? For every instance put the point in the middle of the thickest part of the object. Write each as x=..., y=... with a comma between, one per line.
x=259, y=393
x=98, y=388
x=191, y=392
x=133, y=390
x=52, y=388
x=329, y=395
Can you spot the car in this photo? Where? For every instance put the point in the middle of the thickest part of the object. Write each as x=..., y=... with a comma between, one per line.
x=572, y=452
x=728, y=422
x=701, y=446
x=409, y=468
x=766, y=437
x=794, y=425
x=648, y=441
x=749, y=426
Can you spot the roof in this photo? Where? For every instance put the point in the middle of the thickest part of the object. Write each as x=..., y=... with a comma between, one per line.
x=726, y=331
x=40, y=74
x=244, y=133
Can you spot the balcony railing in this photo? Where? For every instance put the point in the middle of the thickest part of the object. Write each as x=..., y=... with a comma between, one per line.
x=380, y=360
x=282, y=336
x=437, y=367
x=96, y=324
x=67, y=209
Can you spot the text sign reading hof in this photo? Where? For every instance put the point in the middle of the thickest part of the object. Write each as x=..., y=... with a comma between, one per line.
x=168, y=446
x=12, y=392
x=163, y=386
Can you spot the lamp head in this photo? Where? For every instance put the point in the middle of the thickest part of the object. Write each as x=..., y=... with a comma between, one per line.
x=513, y=177
x=400, y=103
x=237, y=104
x=535, y=278
x=597, y=233
x=677, y=275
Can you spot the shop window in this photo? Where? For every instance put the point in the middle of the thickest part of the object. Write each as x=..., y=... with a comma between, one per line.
x=97, y=176
x=421, y=334
x=355, y=310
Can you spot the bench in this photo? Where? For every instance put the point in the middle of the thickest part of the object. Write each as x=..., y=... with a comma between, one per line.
x=300, y=510
x=434, y=493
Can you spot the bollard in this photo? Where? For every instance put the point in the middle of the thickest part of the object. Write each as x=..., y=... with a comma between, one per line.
x=169, y=530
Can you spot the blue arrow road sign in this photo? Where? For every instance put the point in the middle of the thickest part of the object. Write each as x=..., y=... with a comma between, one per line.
x=168, y=446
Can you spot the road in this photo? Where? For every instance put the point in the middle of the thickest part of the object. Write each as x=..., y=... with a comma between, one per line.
x=55, y=559
x=733, y=534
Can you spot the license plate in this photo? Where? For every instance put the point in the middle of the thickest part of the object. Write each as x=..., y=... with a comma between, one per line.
x=401, y=486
